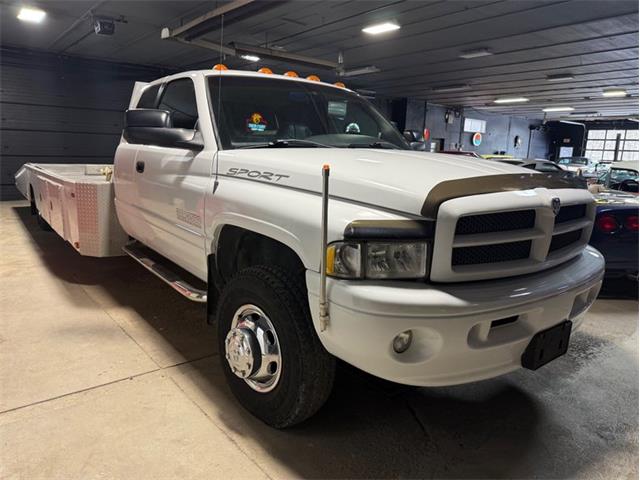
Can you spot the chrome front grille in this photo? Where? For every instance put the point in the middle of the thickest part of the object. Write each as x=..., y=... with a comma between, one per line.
x=499, y=242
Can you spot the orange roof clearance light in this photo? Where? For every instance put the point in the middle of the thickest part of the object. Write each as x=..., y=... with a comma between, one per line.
x=291, y=74
x=265, y=70
x=220, y=67
x=340, y=84
x=313, y=78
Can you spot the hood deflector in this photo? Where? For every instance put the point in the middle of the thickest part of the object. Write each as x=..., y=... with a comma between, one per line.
x=465, y=187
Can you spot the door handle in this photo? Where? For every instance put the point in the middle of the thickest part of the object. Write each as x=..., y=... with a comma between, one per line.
x=139, y=167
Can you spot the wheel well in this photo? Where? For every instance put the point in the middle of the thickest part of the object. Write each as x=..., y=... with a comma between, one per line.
x=239, y=248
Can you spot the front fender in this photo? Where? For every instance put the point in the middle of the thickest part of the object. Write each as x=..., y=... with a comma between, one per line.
x=287, y=215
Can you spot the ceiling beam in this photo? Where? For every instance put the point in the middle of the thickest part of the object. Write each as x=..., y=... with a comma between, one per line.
x=218, y=12
x=286, y=56
x=189, y=33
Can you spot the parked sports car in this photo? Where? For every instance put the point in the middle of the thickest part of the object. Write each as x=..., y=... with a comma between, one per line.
x=545, y=166
x=615, y=233
x=622, y=176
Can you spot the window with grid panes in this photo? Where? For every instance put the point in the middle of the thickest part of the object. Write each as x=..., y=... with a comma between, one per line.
x=601, y=145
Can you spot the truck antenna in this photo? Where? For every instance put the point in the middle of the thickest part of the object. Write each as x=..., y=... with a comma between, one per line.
x=219, y=106
x=324, y=304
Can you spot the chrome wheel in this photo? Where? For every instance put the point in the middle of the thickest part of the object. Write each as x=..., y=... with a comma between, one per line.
x=252, y=349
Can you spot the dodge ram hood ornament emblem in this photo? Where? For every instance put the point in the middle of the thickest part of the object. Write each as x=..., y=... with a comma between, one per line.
x=555, y=205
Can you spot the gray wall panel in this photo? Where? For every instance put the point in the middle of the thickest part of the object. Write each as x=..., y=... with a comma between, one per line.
x=57, y=109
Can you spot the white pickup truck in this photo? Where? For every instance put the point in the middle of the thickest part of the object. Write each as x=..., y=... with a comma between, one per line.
x=423, y=269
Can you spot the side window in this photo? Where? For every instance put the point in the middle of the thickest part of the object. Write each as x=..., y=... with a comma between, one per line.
x=179, y=98
x=149, y=97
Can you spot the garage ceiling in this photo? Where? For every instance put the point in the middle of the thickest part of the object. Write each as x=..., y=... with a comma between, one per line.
x=594, y=42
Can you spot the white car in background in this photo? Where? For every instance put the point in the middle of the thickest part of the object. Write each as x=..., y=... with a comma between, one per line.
x=583, y=166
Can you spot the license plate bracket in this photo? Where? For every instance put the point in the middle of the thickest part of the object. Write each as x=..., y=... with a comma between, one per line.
x=547, y=345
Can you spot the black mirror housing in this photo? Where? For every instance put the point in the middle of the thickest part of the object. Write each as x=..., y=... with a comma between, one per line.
x=148, y=126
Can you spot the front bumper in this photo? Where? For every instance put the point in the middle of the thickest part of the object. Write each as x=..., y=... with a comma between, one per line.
x=453, y=338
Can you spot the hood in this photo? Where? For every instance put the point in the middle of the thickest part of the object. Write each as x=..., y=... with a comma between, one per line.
x=394, y=179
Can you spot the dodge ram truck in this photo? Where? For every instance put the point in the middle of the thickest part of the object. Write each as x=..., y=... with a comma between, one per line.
x=320, y=235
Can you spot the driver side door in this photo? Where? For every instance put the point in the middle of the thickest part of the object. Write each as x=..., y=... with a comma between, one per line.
x=172, y=183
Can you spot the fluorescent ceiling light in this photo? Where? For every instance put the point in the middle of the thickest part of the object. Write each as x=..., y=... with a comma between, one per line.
x=614, y=92
x=558, y=109
x=560, y=77
x=360, y=71
x=511, y=100
x=451, y=88
x=480, y=52
x=381, y=28
x=250, y=58
x=33, y=15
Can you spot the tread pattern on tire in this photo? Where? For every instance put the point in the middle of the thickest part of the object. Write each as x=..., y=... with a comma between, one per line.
x=316, y=363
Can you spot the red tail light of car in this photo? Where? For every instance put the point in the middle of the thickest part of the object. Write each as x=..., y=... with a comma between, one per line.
x=607, y=224
x=631, y=223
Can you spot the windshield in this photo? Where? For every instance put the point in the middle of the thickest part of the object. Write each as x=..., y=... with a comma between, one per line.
x=573, y=160
x=622, y=174
x=259, y=112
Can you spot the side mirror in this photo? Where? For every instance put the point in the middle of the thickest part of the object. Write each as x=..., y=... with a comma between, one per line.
x=148, y=126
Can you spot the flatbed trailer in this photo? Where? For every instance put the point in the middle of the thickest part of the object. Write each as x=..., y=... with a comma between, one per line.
x=77, y=201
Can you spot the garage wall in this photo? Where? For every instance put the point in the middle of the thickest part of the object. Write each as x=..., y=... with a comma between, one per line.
x=500, y=133
x=60, y=109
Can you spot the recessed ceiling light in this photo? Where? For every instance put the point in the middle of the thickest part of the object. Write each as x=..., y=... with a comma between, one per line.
x=381, y=28
x=511, y=100
x=451, y=88
x=561, y=77
x=33, y=15
x=250, y=58
x=558, y=109
x=614, y=92
x=479, y=52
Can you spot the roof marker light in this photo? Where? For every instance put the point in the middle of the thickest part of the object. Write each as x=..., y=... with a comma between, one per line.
x=313, y=78
x=220, y=67
x=291, y=74
x=265, y=70
x=340, y=84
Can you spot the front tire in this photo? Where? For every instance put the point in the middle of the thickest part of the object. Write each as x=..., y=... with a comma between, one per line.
x=271, y=356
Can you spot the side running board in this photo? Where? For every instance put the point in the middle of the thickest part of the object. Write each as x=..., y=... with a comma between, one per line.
x=137, y=251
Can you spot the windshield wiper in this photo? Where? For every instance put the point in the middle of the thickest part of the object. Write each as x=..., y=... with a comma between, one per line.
x=380, y=144
x=287, y=142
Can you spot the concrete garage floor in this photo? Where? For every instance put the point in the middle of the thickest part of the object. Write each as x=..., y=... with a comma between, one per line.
x=106, y=372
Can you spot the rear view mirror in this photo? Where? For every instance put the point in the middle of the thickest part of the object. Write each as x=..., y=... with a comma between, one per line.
x=149, y=126
x=415, y=139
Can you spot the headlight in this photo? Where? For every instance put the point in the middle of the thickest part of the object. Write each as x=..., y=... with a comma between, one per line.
x=378, y=260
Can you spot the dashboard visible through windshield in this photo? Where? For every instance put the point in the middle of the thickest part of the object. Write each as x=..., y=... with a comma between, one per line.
x=263, y=112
